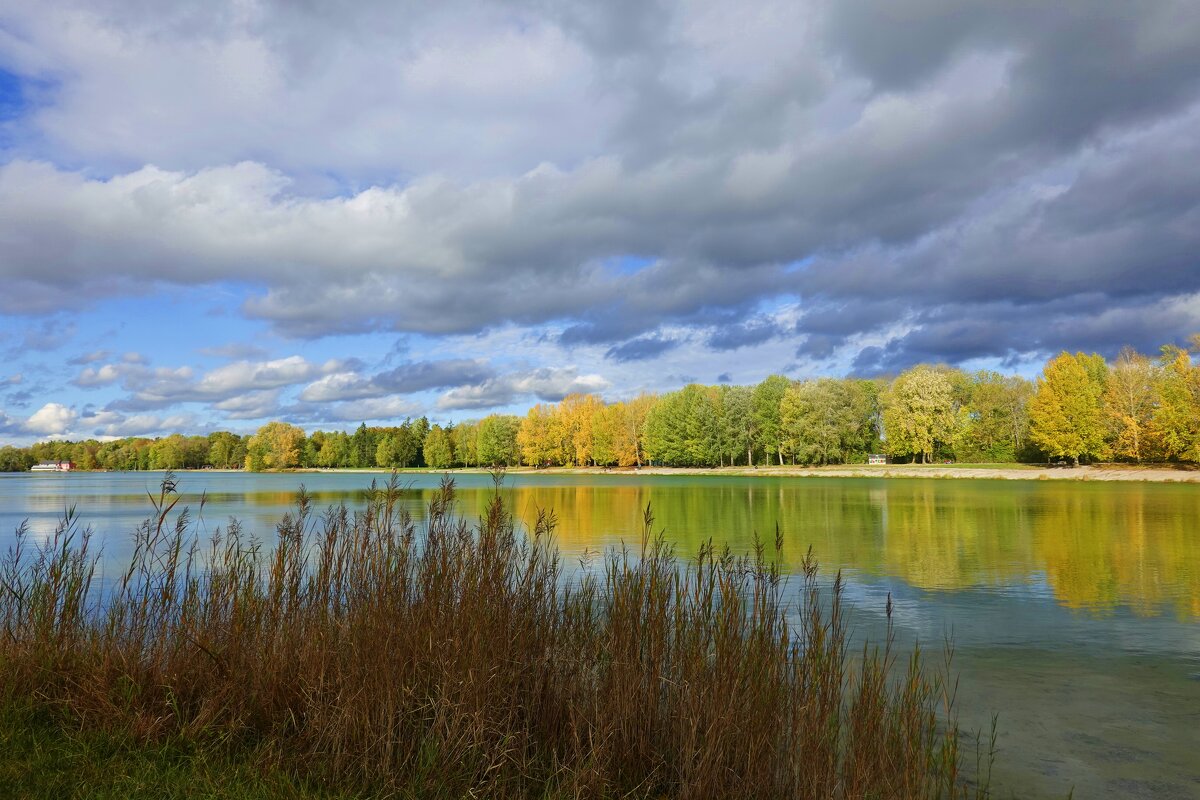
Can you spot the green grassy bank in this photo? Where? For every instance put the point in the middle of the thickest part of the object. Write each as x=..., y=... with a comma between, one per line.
x=45, y=755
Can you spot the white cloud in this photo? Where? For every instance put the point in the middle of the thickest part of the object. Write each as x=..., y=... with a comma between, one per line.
x=546, y=383
x=111, y=424
x=382, y=408
x=339, y=386
x=235, y=387
x=52, y=419
x=250, y=375
x=102, y=376
x=443, y=87
x=250, y=405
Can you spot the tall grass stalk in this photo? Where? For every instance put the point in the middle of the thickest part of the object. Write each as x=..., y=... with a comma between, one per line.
x=462, y=660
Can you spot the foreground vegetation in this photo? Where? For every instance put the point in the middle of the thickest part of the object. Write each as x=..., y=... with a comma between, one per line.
x=1135, y=409
x=361, y=656
x=45, y=756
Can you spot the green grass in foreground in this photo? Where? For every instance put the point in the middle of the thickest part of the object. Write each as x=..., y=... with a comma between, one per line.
x=41, y=756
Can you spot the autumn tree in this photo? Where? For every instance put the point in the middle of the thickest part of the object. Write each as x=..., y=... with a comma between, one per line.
x=606, y=428
x=1066, y=414
x=1175, y=422
x=919, y=412
x=540, y=436
x=1129, y=404
x=808, y=415
x=276, y=445
x=629, y=439
x=577, y=412
x=84, y=455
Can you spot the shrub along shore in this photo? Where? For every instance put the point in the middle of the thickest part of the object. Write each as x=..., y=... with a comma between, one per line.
x=360, y=655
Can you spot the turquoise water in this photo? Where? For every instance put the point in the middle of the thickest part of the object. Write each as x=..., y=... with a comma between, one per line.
x=1074, y=607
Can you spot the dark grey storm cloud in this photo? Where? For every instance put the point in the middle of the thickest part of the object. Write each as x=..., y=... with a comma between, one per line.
x=920, y=181
x=641, y=348
x=743, y=334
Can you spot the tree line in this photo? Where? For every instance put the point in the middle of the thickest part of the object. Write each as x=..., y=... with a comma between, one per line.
x=1081, y=408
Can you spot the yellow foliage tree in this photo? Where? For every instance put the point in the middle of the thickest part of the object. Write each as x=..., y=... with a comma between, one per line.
x=919, y=412
x=1176, y=419
x=1129, y=401
x=540, y=437
x=578, y=413
x=1066, y=415
x=629, y=437
x=276, y=445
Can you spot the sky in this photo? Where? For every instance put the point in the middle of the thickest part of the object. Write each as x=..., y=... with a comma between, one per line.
x=214, y=214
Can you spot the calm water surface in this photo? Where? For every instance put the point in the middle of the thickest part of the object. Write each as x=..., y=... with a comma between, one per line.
x=1074, y=607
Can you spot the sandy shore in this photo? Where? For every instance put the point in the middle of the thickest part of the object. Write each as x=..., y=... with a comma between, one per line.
x=1022, y=472
x=1017, y=472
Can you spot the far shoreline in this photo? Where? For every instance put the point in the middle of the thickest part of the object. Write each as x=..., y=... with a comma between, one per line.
x=1130, y=473
x=1017, y=472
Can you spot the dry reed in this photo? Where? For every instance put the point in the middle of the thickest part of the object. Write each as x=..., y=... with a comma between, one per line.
x=462, y=660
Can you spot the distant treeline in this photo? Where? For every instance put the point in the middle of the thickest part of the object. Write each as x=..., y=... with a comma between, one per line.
x=1081, y=408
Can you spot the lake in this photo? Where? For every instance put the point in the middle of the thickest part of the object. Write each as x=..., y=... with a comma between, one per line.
x=1074, y=607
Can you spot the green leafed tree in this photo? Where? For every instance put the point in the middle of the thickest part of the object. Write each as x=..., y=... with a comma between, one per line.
x=830, y=421
x=363, y=447
x=13, y=459
x=498, y=440
x=738, y=421
x=682, y=428
x=997, y=418
x=438, y=449
x=167, y=453
x=466, y=443
x=226, y=450
x=387, y=451
x=768, y=422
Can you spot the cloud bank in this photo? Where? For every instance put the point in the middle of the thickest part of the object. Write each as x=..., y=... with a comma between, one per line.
x=839, y=185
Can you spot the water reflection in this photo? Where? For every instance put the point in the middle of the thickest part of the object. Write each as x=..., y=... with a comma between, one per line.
x=1073, y=605
x=1095, y=548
